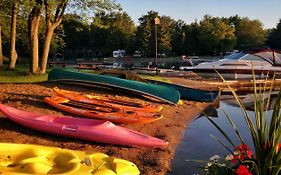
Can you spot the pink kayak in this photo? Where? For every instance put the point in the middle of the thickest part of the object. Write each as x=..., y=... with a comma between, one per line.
x=82, y=128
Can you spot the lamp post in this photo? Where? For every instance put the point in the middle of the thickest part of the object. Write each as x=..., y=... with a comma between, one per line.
x=156, y=22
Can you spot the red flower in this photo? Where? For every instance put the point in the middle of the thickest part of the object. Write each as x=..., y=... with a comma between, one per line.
x=242, y=152
x=245, y=149
x=234, y=159
x=243, y=170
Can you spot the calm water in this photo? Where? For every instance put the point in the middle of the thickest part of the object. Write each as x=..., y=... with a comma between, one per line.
x=197, y=143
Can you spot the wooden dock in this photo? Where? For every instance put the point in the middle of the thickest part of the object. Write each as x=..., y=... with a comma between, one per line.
x=237, y=85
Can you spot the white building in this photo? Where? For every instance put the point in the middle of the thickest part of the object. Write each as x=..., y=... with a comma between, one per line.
x=118, y=53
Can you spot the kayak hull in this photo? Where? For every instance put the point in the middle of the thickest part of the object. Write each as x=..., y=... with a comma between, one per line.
x=186, y=93
x=108, y=101
x=162, y=93
x=190, y=94
x=92, y=111
x=80, y=128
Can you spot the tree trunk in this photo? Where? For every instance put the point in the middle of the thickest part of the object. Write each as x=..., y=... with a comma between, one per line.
x=51, y=26
x=13, y=51
x=33, y=26
x=1, y=52
x=46, y=49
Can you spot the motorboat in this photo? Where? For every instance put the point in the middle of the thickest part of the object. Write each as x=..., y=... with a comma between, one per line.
x=264, y=63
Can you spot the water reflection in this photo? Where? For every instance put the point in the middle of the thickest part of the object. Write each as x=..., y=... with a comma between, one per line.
x=248, y=100
x=210, y=111
x=197, y=144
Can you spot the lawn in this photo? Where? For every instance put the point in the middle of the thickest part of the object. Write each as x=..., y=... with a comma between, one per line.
x=20, y=74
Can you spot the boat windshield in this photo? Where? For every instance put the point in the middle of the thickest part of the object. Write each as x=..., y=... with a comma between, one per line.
x=243, y=56
x=252, y=58
x=235, y=56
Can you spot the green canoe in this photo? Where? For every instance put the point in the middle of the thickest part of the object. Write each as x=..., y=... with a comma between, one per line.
x=166, y=94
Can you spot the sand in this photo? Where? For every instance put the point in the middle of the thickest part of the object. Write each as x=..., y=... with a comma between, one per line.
x=150, y=161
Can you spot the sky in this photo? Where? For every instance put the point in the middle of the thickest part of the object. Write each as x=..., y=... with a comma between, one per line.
x=267, y=11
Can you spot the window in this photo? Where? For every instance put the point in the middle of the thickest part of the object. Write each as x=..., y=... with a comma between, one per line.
x=252, y=57
x=243, y=56
x=235, y=56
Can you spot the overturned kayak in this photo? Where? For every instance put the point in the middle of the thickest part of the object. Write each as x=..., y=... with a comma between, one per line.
x=108, y=101
x=85, y=129
x=162, y=93
x=188, y=93
x=19, y=159
x=109, y=113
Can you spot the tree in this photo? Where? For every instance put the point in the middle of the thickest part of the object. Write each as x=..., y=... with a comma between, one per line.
x=14, y=56
x=185, y=38
x=178, y=38
x=234, y=20
x=146, y=33
x=108, y=32
x=4, y=30
x=58, y=44
x=1, y=52
x=52, y=22
x=191, y=44
x=76, y=35
x=119, y=29
x=14, y=30
x=98, y=40
x=215, y=35
x=33, y=27
x=54, y=11
x=250, y=34
x=167, y=27
x=274, y=38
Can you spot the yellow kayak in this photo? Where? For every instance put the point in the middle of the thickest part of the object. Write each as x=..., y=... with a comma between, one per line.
x=19, y=159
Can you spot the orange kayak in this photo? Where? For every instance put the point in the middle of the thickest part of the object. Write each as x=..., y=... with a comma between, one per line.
x=101, y=112
x=108, y=101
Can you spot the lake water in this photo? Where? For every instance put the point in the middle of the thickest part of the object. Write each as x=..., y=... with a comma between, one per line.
x=197, y=143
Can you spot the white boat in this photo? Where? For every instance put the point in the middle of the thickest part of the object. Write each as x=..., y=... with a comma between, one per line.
x=263, y=62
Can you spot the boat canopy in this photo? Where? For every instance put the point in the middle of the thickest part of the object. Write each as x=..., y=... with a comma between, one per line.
x=270, y=55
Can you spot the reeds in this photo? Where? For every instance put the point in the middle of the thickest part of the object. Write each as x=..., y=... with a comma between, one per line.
x=265, y=133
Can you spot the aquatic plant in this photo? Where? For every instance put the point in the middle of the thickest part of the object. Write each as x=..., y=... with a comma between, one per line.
x=265, y=132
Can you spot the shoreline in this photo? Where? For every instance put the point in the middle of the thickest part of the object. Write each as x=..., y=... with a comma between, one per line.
x=150, y=161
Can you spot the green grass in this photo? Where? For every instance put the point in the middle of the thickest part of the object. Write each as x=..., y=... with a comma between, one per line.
x=20, y=74
x=156, y=78
x=142, y=76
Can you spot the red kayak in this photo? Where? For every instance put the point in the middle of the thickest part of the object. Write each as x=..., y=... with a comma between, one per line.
x=86, y=129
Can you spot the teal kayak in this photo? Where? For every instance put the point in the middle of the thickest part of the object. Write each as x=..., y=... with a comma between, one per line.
x=190, y=94
x=167, y=94
x=186, y=93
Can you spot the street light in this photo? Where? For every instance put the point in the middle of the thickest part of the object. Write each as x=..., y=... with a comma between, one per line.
x=156, y=22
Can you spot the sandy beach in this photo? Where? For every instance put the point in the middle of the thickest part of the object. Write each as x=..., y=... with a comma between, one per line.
x=150, y=161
